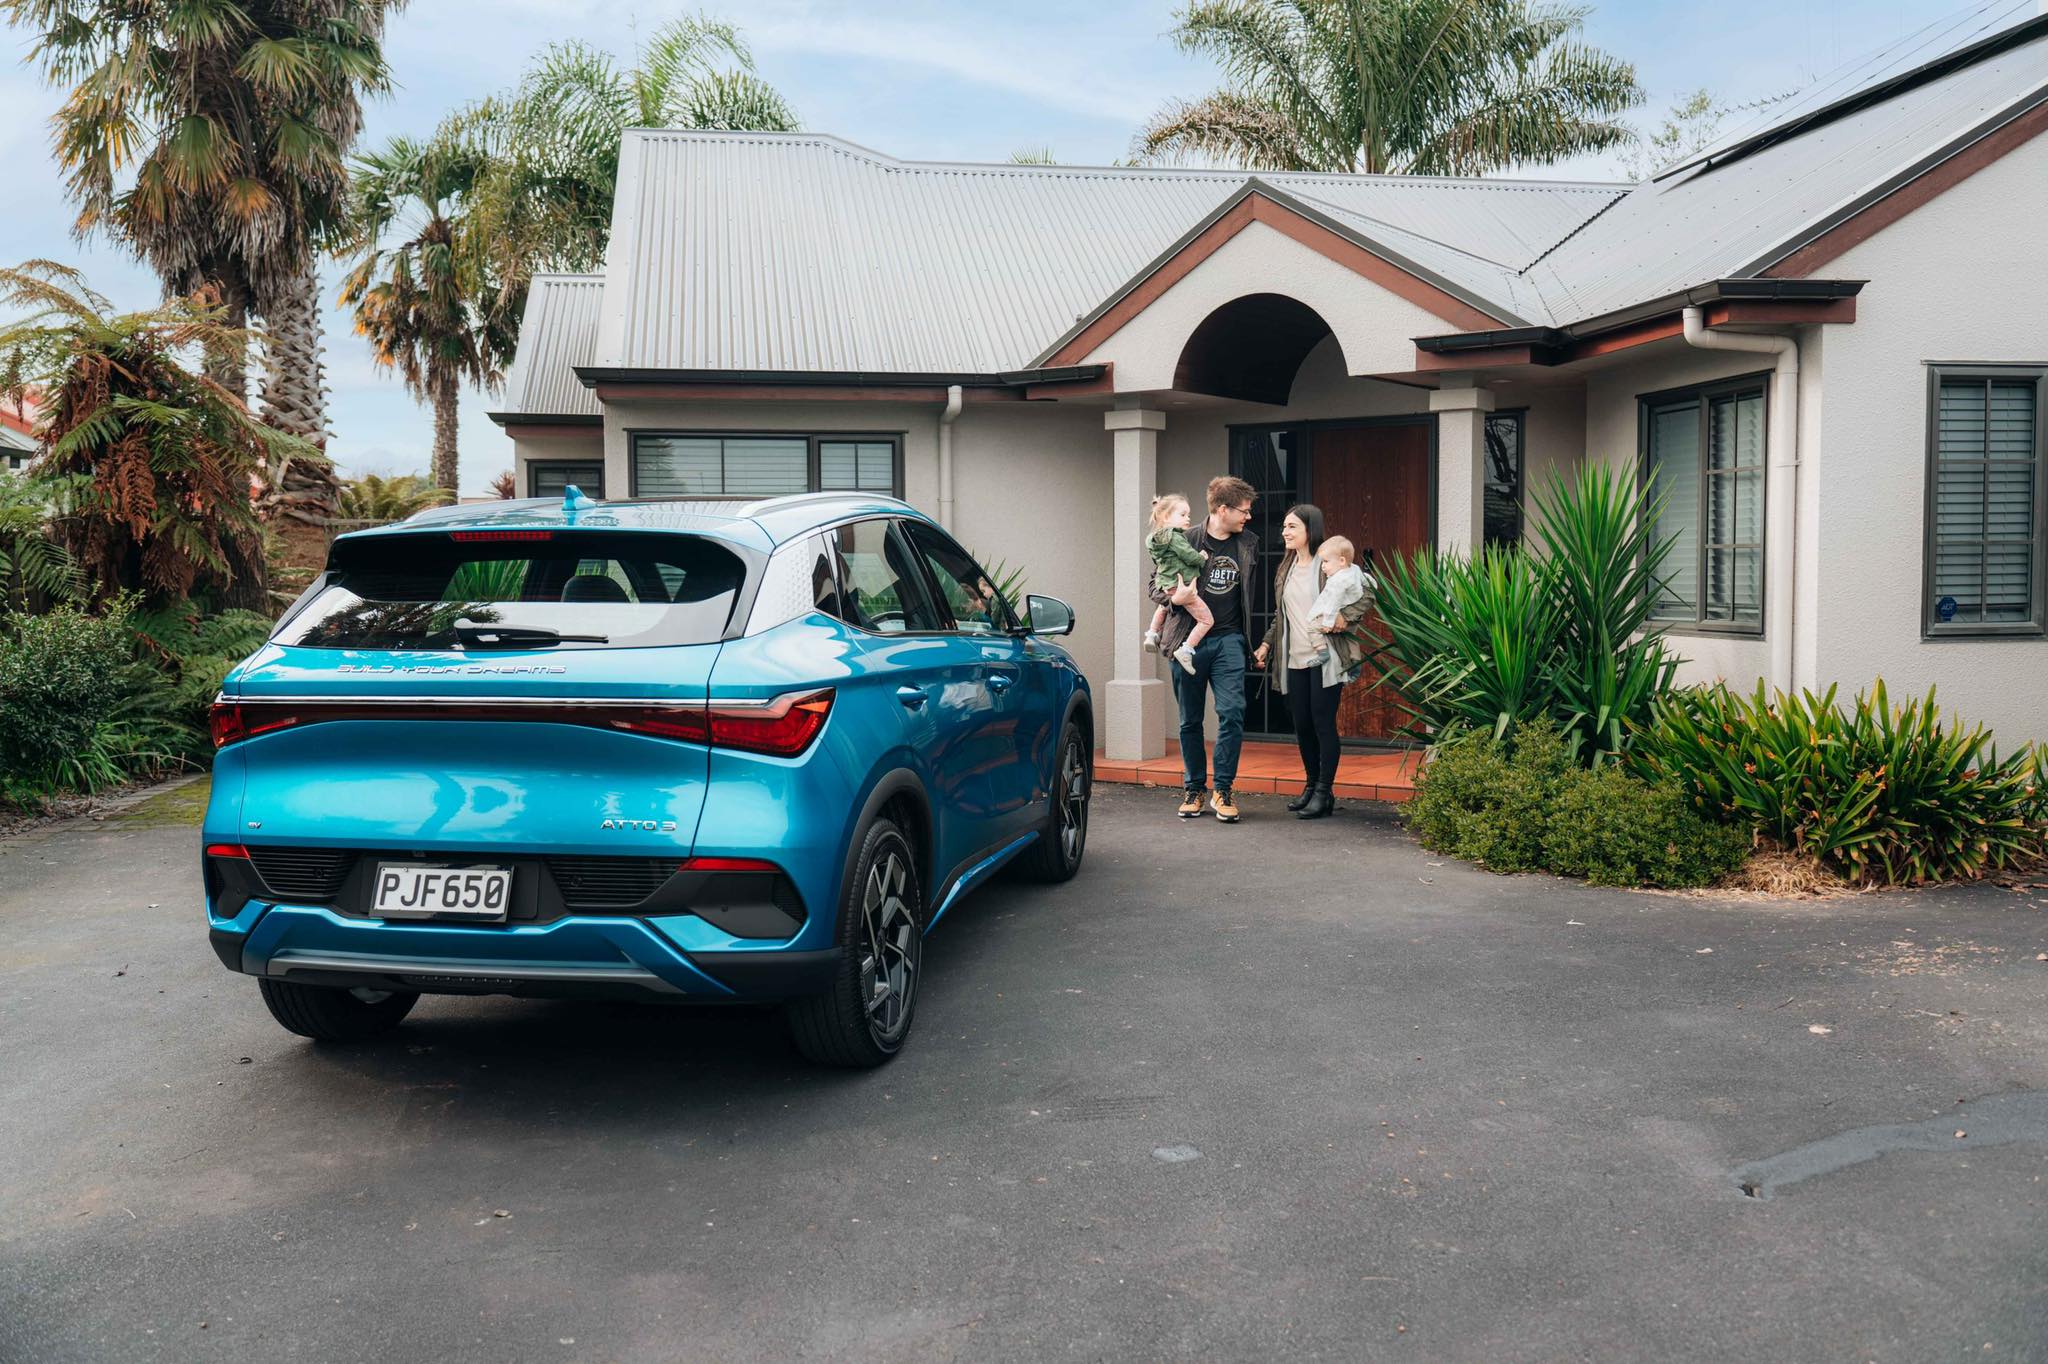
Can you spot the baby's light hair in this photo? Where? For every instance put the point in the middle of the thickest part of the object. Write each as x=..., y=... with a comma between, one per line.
x=1337, y=544
x=1163, y=505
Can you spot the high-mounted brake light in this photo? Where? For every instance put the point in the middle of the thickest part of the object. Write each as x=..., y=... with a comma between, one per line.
x=481, y=537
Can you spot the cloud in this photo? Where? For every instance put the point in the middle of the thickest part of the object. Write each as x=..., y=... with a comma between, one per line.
x=1057, y=74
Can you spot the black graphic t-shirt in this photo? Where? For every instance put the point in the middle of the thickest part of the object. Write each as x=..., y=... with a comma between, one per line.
x=1222, y=581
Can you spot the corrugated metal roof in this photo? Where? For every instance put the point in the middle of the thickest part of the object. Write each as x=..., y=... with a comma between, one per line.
x=1736, y=219
x=803, y=252
x=557, y=332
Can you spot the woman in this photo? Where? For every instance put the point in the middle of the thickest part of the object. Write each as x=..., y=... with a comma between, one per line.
x=1312, y=690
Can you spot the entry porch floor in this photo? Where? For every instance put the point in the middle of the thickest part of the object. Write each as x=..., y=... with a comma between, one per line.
x=1268, y=768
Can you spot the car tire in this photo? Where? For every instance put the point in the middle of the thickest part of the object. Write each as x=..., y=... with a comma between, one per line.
x=864, y=1019
x=1055, y=855
x=331, y=1013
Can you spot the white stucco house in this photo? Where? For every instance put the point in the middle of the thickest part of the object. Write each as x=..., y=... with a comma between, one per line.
x=1827, y=339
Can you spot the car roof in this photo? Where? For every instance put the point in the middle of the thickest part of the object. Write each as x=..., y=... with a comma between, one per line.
x=762, y=524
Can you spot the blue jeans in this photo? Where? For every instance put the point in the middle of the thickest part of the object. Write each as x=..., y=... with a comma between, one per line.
x=1219, y=663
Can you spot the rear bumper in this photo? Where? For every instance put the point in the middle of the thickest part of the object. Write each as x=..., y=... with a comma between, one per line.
x=588, y=957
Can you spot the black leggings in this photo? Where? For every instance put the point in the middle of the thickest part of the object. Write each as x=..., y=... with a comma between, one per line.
x=1315, y=722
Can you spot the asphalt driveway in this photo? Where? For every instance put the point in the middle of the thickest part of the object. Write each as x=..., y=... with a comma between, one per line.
x=1272, y=1090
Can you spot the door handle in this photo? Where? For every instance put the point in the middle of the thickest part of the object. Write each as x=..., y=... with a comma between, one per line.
x=1000, y=681
x=912, y=697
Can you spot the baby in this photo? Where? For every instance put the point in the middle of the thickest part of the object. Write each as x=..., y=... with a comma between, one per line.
x=1345, y=584
x=1175, y=561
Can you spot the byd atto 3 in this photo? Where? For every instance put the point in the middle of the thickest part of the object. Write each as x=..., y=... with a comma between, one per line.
x=706, y=751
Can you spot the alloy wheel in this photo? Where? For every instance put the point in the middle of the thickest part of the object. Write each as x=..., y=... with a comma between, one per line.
x=1073, y=804
x=888, y=967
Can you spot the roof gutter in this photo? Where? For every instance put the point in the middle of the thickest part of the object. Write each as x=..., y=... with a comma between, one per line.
x=1714, y=291
x=593, y=375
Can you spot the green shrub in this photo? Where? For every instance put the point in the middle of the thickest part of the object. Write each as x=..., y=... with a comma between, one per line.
x=1494, y=641
x=1880, y=792
x=73, y=713
x=1615, y=829
x=1524, y=804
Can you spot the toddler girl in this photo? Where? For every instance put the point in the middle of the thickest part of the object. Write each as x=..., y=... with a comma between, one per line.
x=1174, y=560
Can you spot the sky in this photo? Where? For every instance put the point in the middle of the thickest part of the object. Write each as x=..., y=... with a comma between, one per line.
x=970, y=80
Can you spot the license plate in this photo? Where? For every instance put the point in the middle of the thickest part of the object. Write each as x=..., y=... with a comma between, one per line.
x=409, y=891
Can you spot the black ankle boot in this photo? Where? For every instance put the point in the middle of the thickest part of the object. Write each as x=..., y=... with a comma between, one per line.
x=1302, y=799
x=1318, y=805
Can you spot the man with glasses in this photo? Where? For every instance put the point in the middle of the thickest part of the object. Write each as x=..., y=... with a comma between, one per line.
x=1220, y=659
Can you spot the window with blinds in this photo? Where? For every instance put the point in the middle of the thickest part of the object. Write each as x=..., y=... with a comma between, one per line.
x=1703, y=457
x=682, y=465
x=1985, y=502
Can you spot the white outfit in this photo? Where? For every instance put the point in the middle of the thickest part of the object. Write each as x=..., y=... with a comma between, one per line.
x=1341, y=591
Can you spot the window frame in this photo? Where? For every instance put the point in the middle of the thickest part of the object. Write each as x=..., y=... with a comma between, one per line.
x=1704, y=394
x=911, y=530
x=534, y=467
x=1521, y=416
x=812, y=440
x=1932, y=628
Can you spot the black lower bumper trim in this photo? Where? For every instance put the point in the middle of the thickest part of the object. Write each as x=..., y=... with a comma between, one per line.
x=771, y=975
x=228, y=947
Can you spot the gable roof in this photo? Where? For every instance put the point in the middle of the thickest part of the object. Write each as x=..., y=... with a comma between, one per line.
x=557, y=332
x=802, y=254
x=1754, y=202
x=756, y=251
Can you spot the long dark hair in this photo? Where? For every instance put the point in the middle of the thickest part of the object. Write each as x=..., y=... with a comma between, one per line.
x=1311, y=518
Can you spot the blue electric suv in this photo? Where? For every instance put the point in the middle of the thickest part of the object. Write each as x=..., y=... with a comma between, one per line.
x=677, y=751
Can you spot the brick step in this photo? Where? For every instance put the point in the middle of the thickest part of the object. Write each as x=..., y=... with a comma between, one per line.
x=1265, y=768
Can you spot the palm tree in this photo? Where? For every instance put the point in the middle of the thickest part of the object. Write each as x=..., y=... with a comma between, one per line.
x=543, y=200
x=371, y=498
x=158, y=455
x=422, y=303
x=1422, y=87
x=211, y=137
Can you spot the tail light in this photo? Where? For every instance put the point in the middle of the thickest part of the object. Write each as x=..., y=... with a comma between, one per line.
x=782, y=727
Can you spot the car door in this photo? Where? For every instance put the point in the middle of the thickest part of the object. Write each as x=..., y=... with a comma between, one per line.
x=1012, y=739
x=925, y=664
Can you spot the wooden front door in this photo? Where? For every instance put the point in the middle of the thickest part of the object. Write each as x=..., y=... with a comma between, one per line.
x=1372, y=481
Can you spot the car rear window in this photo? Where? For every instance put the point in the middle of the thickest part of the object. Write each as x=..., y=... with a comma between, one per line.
x=591, y=590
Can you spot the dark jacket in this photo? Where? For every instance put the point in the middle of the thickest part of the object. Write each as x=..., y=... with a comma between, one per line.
x=1179, y=622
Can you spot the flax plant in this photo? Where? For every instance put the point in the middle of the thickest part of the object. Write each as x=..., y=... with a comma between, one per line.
x=1492, y=641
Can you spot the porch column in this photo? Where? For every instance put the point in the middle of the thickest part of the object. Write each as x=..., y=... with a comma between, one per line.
x=1134, y=704
x=1461, y=406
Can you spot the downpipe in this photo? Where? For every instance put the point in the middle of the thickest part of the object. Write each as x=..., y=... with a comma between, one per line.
x=1781, y=486
x=946, y=420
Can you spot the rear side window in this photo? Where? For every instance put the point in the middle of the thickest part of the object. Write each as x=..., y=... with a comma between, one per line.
x=520, y=589
x=880, y=587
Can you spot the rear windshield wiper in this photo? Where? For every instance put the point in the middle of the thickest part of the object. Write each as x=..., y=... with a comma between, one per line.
x=474, y=636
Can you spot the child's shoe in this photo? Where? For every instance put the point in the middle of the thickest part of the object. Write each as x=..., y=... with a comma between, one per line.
x=1185, y=656
x=1151, y=641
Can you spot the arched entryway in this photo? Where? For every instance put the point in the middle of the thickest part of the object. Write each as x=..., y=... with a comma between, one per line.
x=1371, y=473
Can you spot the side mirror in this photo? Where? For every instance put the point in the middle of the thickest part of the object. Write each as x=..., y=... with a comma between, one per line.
x=1049, y=615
